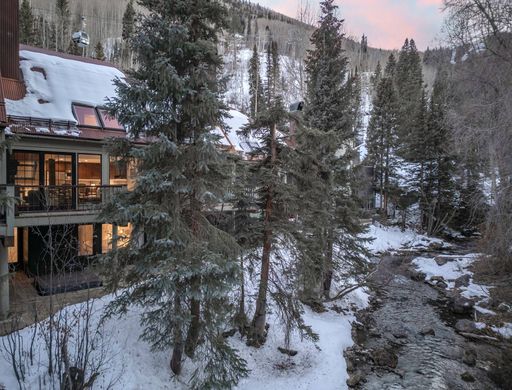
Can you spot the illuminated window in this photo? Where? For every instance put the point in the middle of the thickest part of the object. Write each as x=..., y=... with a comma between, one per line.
x=122, y=173
x=85, y=240
x=123, y=233
x=109, y=122
x=13, y=251
x=86, y=116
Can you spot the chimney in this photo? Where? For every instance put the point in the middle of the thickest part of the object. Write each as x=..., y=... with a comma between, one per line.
x=9, y=39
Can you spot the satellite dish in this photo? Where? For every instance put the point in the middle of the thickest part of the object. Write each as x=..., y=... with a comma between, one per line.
x=81, y=38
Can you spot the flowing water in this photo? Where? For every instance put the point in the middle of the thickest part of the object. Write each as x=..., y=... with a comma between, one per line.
x=404, y=310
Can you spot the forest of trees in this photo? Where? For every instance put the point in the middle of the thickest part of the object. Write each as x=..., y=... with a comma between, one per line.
x=295, y=234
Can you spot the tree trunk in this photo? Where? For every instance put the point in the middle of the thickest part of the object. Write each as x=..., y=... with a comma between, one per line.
x=194, y=327
x=260, y=314
x=195, y=285
x=177, y=352
x=328, y=266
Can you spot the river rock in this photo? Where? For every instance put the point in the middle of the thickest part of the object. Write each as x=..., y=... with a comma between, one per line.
x=469, y=357
x=442, y=285
x=437, y=279
x=286, y=351
x=462, y=281
x=467, y=377
x=461, y=305
x=384, y=358
x=435, y=245
x=354, y=379
x=427, y=332
x=504, y=307
x=465, y=326
x=441, y=260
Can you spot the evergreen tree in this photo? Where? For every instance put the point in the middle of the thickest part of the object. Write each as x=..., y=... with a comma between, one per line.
x=128, y=21
x=99, y=53
x=376, y=76
x=183, y=272
x=409, y=84
x=266, y=176
x=435, y=152
x=328, y=213
x=257, y=100
x=382, y=140
x=74, y=49
x=27, y=33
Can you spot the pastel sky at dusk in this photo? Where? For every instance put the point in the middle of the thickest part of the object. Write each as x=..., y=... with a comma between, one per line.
x=386, y=22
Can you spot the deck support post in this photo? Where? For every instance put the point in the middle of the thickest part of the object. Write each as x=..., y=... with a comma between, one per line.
x=4, y=281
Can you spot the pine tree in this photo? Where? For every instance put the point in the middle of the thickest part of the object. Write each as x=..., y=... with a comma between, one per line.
x=376, y=76
x=328, y=210
x=183, y=272
x=409, y=85
x=99, y=53
x=266, y=176
x=128, y=21
x=26, y=24
x=74, y=49
x=255, y=85
x=382, y=140
x=434, y=149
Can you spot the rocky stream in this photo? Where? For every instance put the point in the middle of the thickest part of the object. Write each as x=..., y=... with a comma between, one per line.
x=418, y=336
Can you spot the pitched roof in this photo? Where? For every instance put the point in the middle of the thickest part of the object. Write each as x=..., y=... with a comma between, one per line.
x=54, y=81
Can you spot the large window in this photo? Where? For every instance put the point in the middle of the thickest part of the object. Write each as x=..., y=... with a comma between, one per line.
x=89, y=178
x=123, y=234
x=23, y=169
x=86, y=116
x=85, y=240
x=13, y=251
x=122, y=173
x=58, y=169
x=109, y=122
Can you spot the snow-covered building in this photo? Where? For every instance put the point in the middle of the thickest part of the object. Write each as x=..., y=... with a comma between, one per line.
x=57, y=166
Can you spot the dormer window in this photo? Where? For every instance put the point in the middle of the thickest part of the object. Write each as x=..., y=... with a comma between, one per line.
x=86, y=116
x=109, y=122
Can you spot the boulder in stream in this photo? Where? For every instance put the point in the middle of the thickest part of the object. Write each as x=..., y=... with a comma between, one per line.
x=384, y=357
x=461, y=305
x=465, y=326
x=462, y=281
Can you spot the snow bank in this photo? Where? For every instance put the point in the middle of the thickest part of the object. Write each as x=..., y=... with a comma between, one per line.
x=390, y=238
x=455, y=267
x=132, y=365
x=54, y=83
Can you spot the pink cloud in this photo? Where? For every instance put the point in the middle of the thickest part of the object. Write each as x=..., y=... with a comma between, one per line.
x=386, y=22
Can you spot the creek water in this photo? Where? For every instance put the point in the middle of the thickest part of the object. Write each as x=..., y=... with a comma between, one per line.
x=405, y=310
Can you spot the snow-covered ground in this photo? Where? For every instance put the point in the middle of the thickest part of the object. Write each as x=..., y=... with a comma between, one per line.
x=455, y=267
x=452, y=267
x=391, y=238
x=132, y=364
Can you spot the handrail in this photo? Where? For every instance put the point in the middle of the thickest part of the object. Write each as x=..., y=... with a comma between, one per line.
x=67, y=197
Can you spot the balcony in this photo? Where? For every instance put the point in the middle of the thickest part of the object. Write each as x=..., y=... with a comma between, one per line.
x=50, y=199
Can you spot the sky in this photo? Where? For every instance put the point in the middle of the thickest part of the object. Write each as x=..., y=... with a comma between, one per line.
x=386, y=22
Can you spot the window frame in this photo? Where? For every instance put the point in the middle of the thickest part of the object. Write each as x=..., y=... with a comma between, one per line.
x=98, y=110
x=98, y=116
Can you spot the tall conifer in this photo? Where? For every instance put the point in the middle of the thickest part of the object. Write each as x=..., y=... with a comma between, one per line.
x=178, y=266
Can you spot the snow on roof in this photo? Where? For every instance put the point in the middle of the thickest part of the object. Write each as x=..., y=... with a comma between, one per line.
x=231, y=136
x=54, y=83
